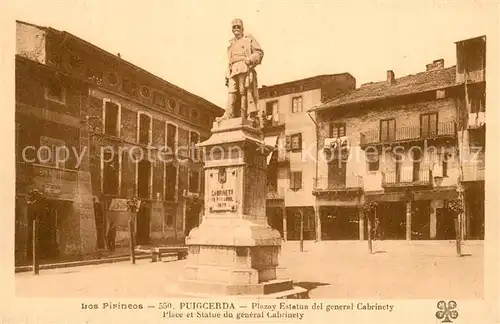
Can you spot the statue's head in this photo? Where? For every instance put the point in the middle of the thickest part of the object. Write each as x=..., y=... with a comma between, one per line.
x=237, y=27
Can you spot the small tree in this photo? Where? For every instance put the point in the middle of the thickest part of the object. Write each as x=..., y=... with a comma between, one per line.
x=193, y=203
x=455, y=206
x=194, y=206
x=133, y=206
x=369, y=209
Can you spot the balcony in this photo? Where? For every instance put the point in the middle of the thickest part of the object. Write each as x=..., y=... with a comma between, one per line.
x=473, y=171
x=26, y=172
x=275, y=193
x=273, y=121
x=408, y=134
x=407, y=178
x=280, y=157
x=324, y=184
x=335, y=144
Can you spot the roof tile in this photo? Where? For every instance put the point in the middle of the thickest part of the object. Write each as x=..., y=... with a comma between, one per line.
x=410, y=84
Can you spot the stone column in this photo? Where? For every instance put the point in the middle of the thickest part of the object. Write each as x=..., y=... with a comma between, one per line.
x=361, y=224
x=285, y=225
x=318, y=222
x=408, y=220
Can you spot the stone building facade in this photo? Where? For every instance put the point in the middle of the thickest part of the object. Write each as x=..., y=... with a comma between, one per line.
x=134, y=130
x=292, y=166
x=412, y=144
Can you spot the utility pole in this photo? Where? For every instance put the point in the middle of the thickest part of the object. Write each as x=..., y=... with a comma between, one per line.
x=301, y=230
x=369, y=229
x=132, y=206
x=301, y=214
x=36, y=266
x=131, y=239
x=369, y=211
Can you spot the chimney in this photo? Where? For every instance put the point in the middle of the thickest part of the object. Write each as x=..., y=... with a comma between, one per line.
x=439, y=64
x=119, y=55
x=390, y=77
x=435, y=65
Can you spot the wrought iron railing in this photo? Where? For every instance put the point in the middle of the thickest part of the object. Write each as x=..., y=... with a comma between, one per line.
x=325, y=183
x=407, y=177
x=274, y=120
x=29, y=171
x=408, y=133
x=275, y=193
x=283, y=155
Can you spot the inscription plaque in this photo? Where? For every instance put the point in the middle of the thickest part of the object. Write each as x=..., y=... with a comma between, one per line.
x=222, y=192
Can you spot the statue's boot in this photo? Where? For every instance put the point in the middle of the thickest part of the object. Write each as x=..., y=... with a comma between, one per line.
x=229, y=113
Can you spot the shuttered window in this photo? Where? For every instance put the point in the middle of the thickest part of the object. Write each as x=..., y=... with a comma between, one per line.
x=144, y=129
x=297, y=104
x=111, y=118
x=296, y=180
x=293, y=142
x=387, y=130
x=171, y=137
x=337, y=130
x=170, y=182
x=428, y=125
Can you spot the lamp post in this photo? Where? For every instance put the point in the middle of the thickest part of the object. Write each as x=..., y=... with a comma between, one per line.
x=369, y=230
x=35, y=198
x=456, y=206
x=301, y=230
x=301, y=214
x=369, y=210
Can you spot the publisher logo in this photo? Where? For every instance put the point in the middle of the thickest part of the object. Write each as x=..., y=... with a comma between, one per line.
x=447, y=311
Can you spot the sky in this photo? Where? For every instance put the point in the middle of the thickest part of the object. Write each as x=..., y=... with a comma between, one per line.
x=185, y=42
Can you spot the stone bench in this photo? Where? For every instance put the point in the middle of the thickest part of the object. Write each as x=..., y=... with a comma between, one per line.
x=158, y=252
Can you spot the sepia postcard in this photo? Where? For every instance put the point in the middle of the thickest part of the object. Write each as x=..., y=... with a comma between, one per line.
x=250, y=161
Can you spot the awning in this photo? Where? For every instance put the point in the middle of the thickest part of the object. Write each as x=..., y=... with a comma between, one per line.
x=271, y=140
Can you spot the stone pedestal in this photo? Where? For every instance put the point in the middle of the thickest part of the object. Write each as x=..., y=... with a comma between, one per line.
x=234, y=251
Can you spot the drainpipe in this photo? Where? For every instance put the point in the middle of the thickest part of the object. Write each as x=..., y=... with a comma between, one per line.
x=316, y=207
x=317, y=142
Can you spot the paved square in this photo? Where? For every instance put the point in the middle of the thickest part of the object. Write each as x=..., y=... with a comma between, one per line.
x=333, y=269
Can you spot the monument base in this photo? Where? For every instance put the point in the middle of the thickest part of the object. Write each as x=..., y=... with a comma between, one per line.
x=234, y=251
x=233, y=257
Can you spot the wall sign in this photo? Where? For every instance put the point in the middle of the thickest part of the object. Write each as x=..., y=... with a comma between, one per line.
x=119, y=204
